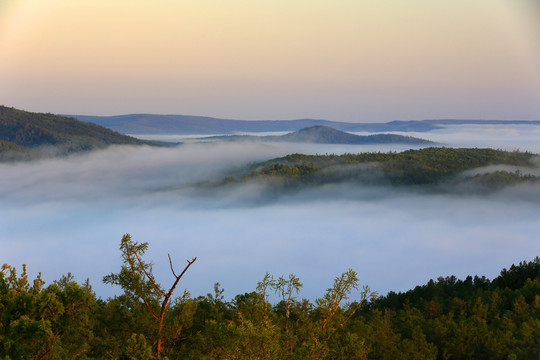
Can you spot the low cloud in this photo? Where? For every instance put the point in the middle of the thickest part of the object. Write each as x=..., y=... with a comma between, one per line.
x=69, y=214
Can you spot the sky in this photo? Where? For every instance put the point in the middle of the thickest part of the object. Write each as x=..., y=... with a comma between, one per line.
x=347, y=60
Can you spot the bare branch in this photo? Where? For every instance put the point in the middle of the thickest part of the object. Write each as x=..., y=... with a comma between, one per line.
x=178, y=338
x=166, y=303
x=171, y=290
x=148, y=307
x=172, y=268
x=149, y=276
x=45, y=354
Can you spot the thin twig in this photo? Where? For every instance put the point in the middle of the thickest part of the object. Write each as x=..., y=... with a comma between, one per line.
x=149, y=276
x=172, y=268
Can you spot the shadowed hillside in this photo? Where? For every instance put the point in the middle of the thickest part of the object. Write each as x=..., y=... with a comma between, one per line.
x=26, y=134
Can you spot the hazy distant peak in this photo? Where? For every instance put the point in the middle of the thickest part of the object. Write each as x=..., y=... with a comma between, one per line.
x=322, y=134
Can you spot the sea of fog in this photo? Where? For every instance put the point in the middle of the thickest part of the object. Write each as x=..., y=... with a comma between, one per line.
x=69, y=214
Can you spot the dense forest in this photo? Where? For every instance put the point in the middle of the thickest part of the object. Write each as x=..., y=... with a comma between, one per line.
x=30, y=135
x=448, y=318
x=427, y=167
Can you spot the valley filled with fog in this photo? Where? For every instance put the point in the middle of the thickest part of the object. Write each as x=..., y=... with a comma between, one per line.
x=68, y=215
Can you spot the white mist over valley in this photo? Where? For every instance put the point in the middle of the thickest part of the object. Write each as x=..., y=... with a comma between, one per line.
x=68, y=215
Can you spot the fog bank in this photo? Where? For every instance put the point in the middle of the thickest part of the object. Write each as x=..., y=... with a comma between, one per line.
x=69, y=214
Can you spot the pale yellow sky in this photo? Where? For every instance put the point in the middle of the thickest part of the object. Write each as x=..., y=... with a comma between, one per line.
x=350, y=60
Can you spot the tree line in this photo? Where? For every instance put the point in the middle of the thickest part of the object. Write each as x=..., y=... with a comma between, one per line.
x=424, y=167
x=447, y=318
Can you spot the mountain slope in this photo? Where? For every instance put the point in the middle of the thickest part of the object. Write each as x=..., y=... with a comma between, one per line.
x=188, y=124
x=326, y=135
x=185, y=124
x=320, y=134
x=22, y=130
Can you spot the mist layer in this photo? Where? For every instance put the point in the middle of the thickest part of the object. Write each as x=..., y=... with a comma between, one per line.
x=69, y=214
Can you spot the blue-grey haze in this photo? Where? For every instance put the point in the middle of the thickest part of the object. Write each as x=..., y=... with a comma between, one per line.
x=68, y=215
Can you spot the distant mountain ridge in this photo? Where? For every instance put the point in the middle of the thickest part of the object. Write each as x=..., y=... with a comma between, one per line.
x=138, y=124
x=321, y=134
x=25, y=133
x=480, y=122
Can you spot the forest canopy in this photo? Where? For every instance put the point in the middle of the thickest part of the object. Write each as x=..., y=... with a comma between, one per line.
x=447, y=318
x=23, y=134
x=429, y=167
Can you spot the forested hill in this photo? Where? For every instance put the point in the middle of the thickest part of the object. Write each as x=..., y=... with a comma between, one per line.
x=23, y=132
x=321, y=134
x=426, y=167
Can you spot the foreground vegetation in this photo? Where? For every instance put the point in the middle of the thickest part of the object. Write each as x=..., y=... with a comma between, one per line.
x=447, y=318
